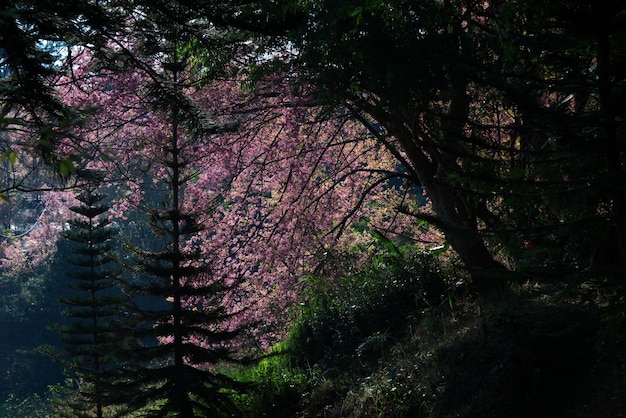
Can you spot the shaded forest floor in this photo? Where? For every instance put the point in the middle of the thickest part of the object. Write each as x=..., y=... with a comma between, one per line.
x=549, y=350
x=404, y=339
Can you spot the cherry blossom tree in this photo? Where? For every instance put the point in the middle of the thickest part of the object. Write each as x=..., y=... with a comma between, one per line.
x=285, y=194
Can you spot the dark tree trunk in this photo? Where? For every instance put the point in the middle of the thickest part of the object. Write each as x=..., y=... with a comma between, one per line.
x=460, y=226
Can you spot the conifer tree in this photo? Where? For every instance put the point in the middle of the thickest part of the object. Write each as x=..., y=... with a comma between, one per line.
x=181, y=342
x=184, y=328
x=94, y=305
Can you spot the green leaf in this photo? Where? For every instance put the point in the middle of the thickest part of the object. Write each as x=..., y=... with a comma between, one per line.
x=386, y=243
x=67, y=167
x=10, y=156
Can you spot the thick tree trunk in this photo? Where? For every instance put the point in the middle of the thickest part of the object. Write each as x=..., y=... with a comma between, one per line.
x=454, y=214
x=472, y=251
x=460, y=227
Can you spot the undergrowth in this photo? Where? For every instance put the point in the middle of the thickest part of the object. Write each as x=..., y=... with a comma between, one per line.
x=397, y=340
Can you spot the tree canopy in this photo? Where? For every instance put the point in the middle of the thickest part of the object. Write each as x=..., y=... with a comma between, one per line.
x=504, y=112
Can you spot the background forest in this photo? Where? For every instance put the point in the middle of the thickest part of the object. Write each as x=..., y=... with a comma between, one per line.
x=312, y=208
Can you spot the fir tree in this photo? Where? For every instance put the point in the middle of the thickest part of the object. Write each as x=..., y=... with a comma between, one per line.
x=185, y=329
x=94, y=304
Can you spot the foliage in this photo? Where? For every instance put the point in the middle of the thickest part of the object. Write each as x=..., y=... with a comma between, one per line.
x=37, y=41
x=32, y=407
x=523, y=355
x=29, y=290
x=416, y=107
x=278, y=387
x=342, y=324
x=341, y=331
x=498, y=110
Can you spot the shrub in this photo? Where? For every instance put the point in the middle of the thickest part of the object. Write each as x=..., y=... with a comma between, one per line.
x=342, y=324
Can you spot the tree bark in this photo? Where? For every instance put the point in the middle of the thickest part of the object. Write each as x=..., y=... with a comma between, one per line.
x=459, y=225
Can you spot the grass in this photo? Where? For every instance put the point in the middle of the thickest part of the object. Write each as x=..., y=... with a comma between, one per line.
x=553, y=349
